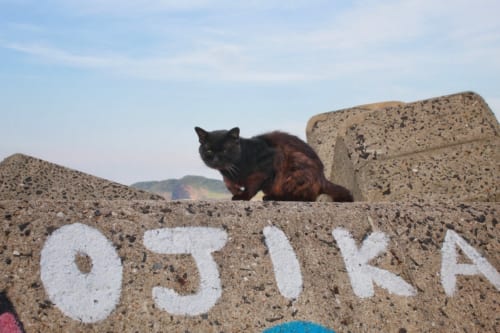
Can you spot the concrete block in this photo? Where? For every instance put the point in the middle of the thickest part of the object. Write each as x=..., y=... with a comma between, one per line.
x=324, y=129
x=24, y=177
x=463, y=173
x=156, y=266
x=373, y=150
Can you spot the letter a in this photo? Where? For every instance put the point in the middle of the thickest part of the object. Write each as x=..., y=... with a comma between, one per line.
x=363, y=275
x=199, y=242
x=450, y=268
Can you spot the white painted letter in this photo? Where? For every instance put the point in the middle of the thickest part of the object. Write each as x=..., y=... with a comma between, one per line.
x=199, y=242
x=450, y=268
x=285, y=263
x=88, y=297
x=363, y=275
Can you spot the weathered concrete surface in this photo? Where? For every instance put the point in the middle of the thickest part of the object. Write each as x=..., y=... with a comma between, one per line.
x=251, y=300
x=440, y=149
x=24, y=177
x=75, y=257
x=323, y=129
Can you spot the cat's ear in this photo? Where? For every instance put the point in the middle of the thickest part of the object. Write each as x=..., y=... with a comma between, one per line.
x=234, y=133
x=202, y=134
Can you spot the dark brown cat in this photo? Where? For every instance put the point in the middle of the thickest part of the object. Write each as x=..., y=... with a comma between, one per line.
x=283, y=166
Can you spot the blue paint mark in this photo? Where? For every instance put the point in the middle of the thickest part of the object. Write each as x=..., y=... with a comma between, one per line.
x=298, y=327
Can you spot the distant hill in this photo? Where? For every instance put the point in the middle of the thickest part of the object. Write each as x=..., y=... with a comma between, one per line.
x=188, y=187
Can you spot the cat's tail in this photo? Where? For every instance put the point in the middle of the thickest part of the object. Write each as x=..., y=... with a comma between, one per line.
x=336, y=192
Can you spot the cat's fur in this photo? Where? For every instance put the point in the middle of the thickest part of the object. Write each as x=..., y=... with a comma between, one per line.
x=281, y=165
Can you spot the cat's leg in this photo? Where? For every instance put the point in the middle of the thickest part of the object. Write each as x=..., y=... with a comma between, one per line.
x=233, y=187
x=270, y=198
x=253, y=184
x=239, y=192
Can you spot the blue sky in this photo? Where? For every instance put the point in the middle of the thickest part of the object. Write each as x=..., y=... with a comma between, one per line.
x=114, y=88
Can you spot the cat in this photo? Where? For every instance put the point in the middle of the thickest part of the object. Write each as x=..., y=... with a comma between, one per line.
x=281, y=165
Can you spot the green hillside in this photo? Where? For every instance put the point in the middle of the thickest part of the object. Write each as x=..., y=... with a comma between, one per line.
x=188, y=187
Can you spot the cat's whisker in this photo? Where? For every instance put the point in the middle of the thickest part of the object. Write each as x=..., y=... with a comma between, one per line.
x=233, y=170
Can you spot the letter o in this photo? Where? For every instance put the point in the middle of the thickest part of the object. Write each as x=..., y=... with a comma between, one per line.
x=87, y=297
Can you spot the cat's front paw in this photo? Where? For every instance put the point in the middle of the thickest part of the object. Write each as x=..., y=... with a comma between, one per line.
x=242, y=196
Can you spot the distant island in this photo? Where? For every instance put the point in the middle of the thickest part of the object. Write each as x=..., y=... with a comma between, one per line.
x=188, y=187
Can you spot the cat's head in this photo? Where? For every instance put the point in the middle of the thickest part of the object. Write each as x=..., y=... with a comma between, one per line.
x=219, y=149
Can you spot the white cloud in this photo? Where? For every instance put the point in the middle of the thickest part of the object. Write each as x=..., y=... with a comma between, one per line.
x=216, y=62
x=63, y=57
x=376, y=24
x=372, y=23
x=134, y=7
x=392, y=37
